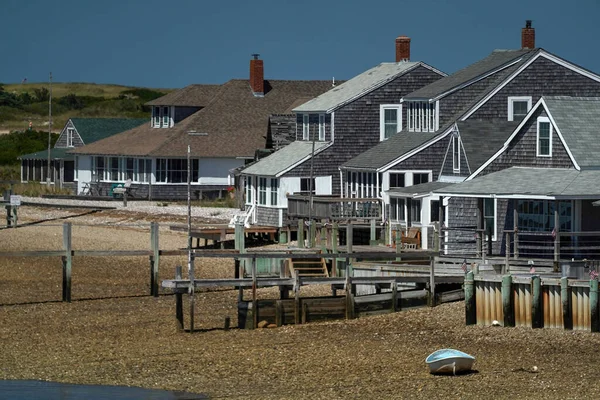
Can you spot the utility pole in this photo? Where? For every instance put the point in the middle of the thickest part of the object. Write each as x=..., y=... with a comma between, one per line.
x=48, y=180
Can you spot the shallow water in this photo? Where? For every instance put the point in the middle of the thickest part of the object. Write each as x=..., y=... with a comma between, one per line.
x=12, y=389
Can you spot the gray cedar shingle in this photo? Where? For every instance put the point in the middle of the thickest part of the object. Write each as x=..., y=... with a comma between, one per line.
x=482, y=139
x=283, y=159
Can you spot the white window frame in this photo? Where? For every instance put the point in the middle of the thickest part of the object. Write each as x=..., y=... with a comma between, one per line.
x=322, y=127
x=70, y=132
x=165, y=117
x=273, y=192
x=262, y=191
x=248, y=189
x=494, y=237
x=456, y=153
x=156, y=116
x=537, y=137
x=422, y=116
x=512, y=100
x=305, y=126
x=382, y=109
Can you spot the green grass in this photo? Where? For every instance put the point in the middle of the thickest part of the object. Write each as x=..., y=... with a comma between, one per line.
x=79, y=88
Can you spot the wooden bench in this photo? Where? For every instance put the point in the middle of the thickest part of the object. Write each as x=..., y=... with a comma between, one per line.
x=123, y=191
x=412, y=239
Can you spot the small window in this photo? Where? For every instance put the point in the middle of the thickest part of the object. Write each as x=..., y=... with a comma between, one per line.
x=129, y=168
x=489, y=216
x=322, y=127
x=390, y=120
x=165, y=117
x=70, y=133
x=544, y=137
x=274, y=190
x=156, y=112
x=397, y=209
x=307, y=186
x=419, y=178
x=518, y=107
x=456, y=153
x=262, y=191
x=248, y=189
x=415, y=210
x=305, y=127
x=434, y=211
x=396, y=180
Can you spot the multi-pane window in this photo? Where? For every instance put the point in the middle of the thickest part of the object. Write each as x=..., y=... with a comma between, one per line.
x=434, y=211
x=544, y=137
x=165, y=117
x=307, y=185
x=305, y=127
x=390, y=120
x=70, y=133
x=129, y=168
x=518, y=107
x=274, y=188
x=161, y=117
x=489, y=216
x=397, y=209
x=396, y=180
x=248, y=189
x=415, y=210
x=113, y=169
x=456, y=153
x=262, y=191
x=538, y=215
x=174, y=170
x=419, y=178
x=98, y=169
x=156, y=112
x=144, y=170
x=421, y=116
x=321, y=127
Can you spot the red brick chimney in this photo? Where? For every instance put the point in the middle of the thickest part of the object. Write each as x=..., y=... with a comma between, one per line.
x=257, y=75
x=528, y=36
x=402, y=48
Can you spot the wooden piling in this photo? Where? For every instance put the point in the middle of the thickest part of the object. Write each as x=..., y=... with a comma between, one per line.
x=67, y=262
x=192, y=289
x=254, y=287
x=556, y=234
x=394, y=286
x=312, y=235
x=516, y=234
x=300, y=233
x=297, y=300
x=507, y=253
x=179, y=300
x=470, y=306
x=594, y=316
x=431, y=299
x=565, y=298
x=537, y=313
x=334, y=248
x=155, y=260
x=507, y=301
x=373, y=232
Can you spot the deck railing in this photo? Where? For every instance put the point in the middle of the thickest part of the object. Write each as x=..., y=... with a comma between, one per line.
x=334, y=208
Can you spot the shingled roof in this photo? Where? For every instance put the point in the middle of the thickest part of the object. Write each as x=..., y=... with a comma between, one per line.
x=189, y=96
x=482, y=139
x=233, y=124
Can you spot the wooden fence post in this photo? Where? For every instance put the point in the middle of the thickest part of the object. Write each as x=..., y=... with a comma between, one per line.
x=594, y=317
x=312, y=233
x=516, y=233
x=373, y=231
x=394, y=285
x=192, y=288
x=300, y=234
x=179, y=300
x=565, y=298
x=507, y=253
x=537, y=313
x=67, y=263
x=556, y=234
x=431, y=282
x=334, y=249
x=254, y=301
x=297, y=299
x=470, y=306
x=507, y=301
x=155, y=259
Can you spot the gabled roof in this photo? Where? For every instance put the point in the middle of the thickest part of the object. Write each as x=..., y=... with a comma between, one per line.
x=93, y=129
x=498, y=60
x=530, y=183
x=420, y=190
x=284, y=159
x=59, y=153
x=396, y=147
x=359, y=86
x=233, y=124
x=189, y=96
x=482, y=139
x=578, y=122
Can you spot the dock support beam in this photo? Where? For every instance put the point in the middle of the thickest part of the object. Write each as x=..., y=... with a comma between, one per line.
x=470, y=310
x=154, y=260
x=565, y=297
x=507, y=301
x=67, y=263
x=537, y=314
x=179, y=301
x=594, y=320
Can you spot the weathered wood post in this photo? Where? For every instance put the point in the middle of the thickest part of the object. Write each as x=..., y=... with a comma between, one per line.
x=154, y=259
x=179, y=300
x=349, y=296
x=398, y=240
x=594, y=316
x=431, y=282
x=334, y=248
x=239, y=242
x=297, y=299
x=373, y=232
x=300, y=234
x=125, y=198
x=394, y=286
x=254, y=287
x=507, y=301
x=507, y=253
x=312, y=233
x=537, y=313
x=565, y=297
x=192, y=288
x=556, y=234
x=516, y=233
x=436, y=236
x=67, y=262
x=349, y=236
x=470, y=306
x=323, y=241
x=478, y=232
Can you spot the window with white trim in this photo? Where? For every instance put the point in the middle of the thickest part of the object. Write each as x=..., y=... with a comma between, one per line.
x=518, y=107
x=161, y=117
x=165, y=117
x=456, y=153
x=421, y=116
x=489, y=216
x=70, y=133
x=112, y=172
x=420, y=177
x=322, y=127
x=415, y=210
x=248, y=189
x=397, y=209
x=76, y=168
x=174, y=170
x=538, y=215
x=390, y=120
x=262, y=191
x=305, y=127
x=307, y=186
x=274, y=187
x=129, y=168
x=143, y=171
x=544, y=137
x=397, y=179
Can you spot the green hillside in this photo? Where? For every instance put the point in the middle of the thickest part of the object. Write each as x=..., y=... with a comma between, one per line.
x=22, y=103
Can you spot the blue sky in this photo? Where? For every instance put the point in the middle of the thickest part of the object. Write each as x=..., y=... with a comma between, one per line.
x=170, y=44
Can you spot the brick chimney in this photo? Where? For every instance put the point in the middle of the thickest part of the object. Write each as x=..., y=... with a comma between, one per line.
x=402, y=48
x=257, y=76
x=528, y=36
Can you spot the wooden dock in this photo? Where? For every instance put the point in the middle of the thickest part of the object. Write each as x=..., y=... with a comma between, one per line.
x=218, y=233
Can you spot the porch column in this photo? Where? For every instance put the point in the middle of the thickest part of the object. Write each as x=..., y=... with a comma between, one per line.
x=556, y=237
x=479, y=234
x=408, y=213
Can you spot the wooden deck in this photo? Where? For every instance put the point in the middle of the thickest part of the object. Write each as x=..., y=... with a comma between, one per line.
x=218, y=233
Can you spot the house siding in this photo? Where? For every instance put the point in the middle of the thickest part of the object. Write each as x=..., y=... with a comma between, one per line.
x=182, y=113
x=356, y=125
x=167, y=192
x=282, y=130
x=542, y=77
x=430, y=158
x=267, y=216
x=61, y=142
x=448, y=165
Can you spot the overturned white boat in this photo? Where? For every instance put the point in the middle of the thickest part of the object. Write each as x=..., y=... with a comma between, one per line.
x=449, y=361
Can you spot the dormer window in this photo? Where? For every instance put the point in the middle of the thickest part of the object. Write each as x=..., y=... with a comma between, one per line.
x=455, y=153
x=70, y=133
x=161, y=117
x=390, y=120
x=518, y=107
x=422, y=116
x=544, y=137
x=305, y=127
x=322, y=127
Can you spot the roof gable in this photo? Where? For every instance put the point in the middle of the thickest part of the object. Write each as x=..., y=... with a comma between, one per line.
x=285, y=159
x=189, y=96
x=94, y=129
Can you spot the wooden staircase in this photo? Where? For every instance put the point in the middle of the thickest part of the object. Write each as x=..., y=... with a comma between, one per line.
x=308, y=267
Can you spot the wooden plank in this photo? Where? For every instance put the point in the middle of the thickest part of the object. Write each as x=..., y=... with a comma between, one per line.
x=155, y=260
x=67, y=262
x=179, y=301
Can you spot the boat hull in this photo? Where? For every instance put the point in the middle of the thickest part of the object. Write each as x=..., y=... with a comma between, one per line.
x=449, y=361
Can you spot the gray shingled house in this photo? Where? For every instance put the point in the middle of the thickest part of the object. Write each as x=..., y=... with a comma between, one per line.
x=331, y=129
x=224, y=125
x=548, y=165
x=77, y=132
x=456, y=123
